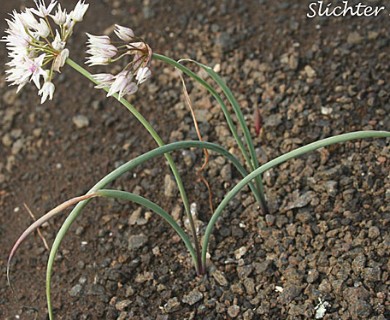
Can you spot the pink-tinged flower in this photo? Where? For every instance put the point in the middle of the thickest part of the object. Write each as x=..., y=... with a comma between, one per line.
x=143, y=74
x=122, y=84
x=104, y=80
x=79, y=11
x=35, y=69
x=100, y=49
x=131, y=88
x=42, y=10
x=142, y=53
x=123, y=33
x=47, y=91
x=25, y=69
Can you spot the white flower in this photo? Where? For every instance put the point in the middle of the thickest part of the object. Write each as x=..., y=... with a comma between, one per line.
x=42, y=29
x=60, y=16
x=78, y=12
x=18, y=40
x=123, y=33
x=98, y=40
x=42, y=11
x=28, y=19
x=97, y=61
x=60, y=60
x=143, y=74
x=58, y=44
x=47, y=91
x=68, y=25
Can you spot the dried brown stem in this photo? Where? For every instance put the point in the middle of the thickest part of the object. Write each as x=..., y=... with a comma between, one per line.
x=38, y=230
x=205, y=151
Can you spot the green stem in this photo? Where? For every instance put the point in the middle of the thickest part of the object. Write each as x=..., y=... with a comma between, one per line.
x=283, y=158
x=159, y=141
x=259, y=193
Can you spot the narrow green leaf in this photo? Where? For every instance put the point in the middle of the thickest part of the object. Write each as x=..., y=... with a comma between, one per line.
x=218, y=98
x=113, y=176
x=253, y=163
x=123, y=195
x=155, y=136
x=283, y=158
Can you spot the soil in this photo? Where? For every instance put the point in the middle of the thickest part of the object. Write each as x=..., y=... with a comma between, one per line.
x=325, y=242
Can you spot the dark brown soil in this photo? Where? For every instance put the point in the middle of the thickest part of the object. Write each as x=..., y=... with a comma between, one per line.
x=327, y=236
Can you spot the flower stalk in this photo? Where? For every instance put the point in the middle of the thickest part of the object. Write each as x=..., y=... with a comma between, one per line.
x=160, y=143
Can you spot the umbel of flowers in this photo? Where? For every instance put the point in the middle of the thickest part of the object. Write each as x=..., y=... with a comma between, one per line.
x=36, y=41
x=103, y=52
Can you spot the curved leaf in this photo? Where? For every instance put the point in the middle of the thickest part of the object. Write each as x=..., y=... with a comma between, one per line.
x=229, y=120
x=40, y=222
x=116, y=174
x=155, y=136
x=123, y=195
x=283, y=158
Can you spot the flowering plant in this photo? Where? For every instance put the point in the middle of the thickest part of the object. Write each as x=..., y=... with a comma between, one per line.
x=36, y=40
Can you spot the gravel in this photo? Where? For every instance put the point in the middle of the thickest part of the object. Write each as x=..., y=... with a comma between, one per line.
x=326, y=236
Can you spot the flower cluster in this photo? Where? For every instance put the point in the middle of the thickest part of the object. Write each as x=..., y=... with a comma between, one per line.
x=103, y=51
x=36, y=48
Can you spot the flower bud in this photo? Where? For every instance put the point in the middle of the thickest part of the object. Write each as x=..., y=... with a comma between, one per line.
x=123, y=33
x=47, y=91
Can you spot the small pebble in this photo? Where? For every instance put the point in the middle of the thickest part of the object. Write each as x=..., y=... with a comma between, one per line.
x=80, y=121
x=233, y=311
x=220, y=278
x=122, y=305
x=75, y=291
x=193, y=297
